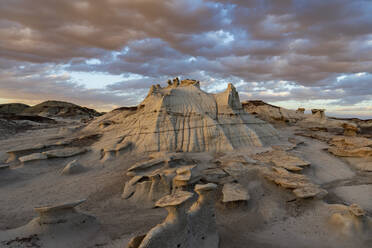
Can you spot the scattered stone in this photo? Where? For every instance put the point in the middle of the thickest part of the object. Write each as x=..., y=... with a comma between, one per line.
x=233, y=192
x=356, y=210
x=309, y=191
x=72, y=167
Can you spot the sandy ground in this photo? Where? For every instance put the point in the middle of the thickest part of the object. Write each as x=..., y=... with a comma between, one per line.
x=271, y=218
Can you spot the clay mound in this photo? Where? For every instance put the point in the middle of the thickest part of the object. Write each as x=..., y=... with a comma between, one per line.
x=273, y=114
x=183, y=118
x=13, y=108
x=60, y=109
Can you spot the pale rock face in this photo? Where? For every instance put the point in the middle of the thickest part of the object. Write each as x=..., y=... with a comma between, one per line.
x=273, y=114
x=182, y=117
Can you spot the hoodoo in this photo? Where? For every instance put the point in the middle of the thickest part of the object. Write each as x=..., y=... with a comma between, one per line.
x=182, y=117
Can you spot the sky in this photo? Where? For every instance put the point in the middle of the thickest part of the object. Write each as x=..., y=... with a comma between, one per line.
x=107, y=53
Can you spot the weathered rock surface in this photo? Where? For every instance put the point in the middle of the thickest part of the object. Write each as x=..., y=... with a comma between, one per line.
x=351, y=146
x=271, y=113
x=182, y=117
x=283, y=159
x=234, y=192
x=300, y=185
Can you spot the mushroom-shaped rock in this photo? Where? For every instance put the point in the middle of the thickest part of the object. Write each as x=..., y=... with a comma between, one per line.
x=185, y=175
x=350, y=129
x=300, y=110
x=58, y=213
x=173, y=232
x=319, y=113
x=234, y=192
x=73, y=167
x=202, y=218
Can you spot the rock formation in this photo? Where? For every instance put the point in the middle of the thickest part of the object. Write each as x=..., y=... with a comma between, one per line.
x=193, y=228
x=350, y=129
x=202, y=218
x=300, y=110
x=271, y=113
x=174, y=231
x=182, y=117
x=318, y=113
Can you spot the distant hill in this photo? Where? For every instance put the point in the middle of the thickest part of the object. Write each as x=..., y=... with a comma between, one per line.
x=13, y=108
x=60, y=109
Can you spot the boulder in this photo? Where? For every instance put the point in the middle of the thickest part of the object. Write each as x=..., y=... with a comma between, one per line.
x=72, y=167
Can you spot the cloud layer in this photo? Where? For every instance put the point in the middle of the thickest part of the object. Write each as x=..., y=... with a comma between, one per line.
x=274, y=50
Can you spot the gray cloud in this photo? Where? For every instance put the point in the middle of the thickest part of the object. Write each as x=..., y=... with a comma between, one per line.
x=257, y=44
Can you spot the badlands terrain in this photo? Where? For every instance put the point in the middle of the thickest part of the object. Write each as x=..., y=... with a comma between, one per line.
x=184, y=168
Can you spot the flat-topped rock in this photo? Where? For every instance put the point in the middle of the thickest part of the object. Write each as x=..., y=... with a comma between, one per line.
x=309, y=191
x=64, y=206
x=66, y=152
x=205, y=187
x=175, y=199
x=147, y=164
x=233, y=192
x=32, y=157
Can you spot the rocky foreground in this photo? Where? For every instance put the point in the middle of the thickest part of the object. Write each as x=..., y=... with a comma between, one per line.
x=186, y=168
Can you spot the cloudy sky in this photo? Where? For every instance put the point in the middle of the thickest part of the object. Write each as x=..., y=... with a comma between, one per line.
x=107, y=53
